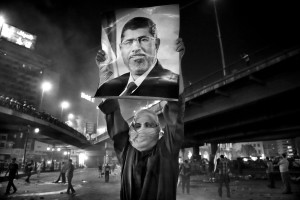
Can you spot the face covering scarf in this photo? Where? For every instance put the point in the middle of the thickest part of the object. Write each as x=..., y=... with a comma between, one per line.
x=143, y=139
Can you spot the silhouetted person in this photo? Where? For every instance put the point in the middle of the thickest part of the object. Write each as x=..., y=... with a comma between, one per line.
x=106, y=172
x=38, y=169
x=100, y=170
x=185, y=175
x=270, y=173
x=70, y=177
x=224, y=169
x=285, y=176
x=62, y=173
x=13, y=173
x=28, y=169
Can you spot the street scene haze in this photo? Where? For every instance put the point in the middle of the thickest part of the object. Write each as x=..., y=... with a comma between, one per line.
x=232, y=130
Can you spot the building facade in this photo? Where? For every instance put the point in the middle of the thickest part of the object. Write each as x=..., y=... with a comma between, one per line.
x=21, y=72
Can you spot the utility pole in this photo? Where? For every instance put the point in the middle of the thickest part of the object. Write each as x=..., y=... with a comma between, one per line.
x=25, y=145
x=220, y=39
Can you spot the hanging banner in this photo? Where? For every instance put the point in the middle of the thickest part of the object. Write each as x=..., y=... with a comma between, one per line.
x=140, y=48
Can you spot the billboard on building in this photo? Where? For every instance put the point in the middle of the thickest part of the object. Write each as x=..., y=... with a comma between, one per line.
x=17, y=36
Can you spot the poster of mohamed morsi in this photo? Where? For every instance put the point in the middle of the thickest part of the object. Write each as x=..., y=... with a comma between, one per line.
x=140, y=57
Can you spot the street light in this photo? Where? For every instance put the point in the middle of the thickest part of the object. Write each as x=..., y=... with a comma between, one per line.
x=64, y=105
x=67, y=153
x=36, y=130
x=46, y=86
x=220, y=39
x=70, y=116
x=2, y=20
x=52, y=149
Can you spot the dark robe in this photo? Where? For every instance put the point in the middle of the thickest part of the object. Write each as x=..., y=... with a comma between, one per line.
x=160, y=82
x=153, y=174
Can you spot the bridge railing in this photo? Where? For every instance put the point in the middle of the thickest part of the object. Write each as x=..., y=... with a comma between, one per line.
x=250, y=61
x=11, y=103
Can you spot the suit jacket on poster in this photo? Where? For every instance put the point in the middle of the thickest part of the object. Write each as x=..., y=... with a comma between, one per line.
x=160, y=82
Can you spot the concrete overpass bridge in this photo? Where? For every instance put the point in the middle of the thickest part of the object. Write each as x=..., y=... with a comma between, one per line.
x=252, y=102
x=15, y=118
x=258, y=102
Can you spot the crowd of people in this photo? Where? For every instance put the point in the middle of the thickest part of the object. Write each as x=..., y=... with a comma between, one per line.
x=26, y=108
x=226, y=169
x=13, y=173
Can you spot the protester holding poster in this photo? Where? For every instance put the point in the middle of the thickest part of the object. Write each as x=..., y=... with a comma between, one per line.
x=143, y=74
x=148, y=153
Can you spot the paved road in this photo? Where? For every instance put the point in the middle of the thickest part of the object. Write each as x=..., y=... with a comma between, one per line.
x=89, y=187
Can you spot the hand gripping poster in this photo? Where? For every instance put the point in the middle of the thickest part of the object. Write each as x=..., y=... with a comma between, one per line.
x=138, y=59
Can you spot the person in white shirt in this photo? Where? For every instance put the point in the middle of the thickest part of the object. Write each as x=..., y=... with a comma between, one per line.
x=270, y=172
x=284, y=171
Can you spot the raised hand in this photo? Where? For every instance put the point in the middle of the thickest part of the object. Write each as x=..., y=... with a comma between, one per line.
x=180, y=47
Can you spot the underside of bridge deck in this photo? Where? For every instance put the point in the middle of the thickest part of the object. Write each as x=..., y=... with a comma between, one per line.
x=263, y=105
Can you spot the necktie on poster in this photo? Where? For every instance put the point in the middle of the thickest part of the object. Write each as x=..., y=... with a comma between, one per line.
x=140, y=45
x=131, y=86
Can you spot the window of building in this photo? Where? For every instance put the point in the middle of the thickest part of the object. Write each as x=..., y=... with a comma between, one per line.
x=254, y=145
x=2, y=144
x=259, y=152
x=258, y=145
x=3, y=137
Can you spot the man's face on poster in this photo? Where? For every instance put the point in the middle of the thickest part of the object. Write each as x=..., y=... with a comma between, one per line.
x=139, y=50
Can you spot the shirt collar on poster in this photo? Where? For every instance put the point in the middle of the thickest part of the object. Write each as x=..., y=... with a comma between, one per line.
x=139, y=80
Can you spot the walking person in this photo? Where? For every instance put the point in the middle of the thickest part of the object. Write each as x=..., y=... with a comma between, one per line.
x=270, y=173
x=38, y=169
x=180, y=175
x=13, y=173
x=224, y=169
x=28, y=169
x=284, y=172
x=70, y=172
x=186, y=174
x=100, y=170
x=62, y=173
x=106, y=172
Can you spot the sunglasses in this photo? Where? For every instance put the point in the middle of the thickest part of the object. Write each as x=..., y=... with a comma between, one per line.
x=146, y=125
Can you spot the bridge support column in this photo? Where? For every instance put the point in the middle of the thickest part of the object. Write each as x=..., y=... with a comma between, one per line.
x=196, y=155
x=213, y=148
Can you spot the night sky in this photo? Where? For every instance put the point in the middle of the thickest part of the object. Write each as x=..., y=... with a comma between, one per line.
x=68, y=33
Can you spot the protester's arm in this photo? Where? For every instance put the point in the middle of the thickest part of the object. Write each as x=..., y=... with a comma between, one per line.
x=117, y=127
x=174, y=112
x=174, y=131
x=180, y=47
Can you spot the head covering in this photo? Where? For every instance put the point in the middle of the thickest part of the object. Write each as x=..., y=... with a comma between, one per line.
x=151, y=115
x=144, y=138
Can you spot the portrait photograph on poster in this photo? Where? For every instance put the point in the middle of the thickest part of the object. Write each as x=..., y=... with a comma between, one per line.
x=139, y=51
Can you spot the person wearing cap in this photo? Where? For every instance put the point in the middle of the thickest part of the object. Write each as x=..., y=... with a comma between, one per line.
x=147, y=151
x=13, y=173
